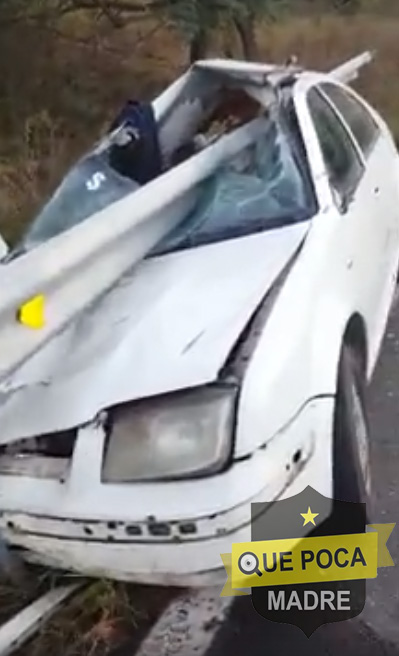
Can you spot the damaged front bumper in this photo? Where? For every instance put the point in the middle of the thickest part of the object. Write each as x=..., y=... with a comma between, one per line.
x=158, y=533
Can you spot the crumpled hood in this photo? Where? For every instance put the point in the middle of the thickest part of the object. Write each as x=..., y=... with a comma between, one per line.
x=170, y=324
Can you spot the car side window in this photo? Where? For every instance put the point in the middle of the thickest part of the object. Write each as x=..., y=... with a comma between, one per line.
x=342, y=160
x=358, y=118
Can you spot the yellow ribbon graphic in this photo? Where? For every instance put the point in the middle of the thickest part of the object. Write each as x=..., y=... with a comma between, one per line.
x=307, y=560
x=384, y=532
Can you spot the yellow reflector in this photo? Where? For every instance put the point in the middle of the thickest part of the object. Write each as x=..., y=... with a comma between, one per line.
x=31, y=313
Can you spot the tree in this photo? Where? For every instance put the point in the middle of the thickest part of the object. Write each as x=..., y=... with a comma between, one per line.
x=197, y=18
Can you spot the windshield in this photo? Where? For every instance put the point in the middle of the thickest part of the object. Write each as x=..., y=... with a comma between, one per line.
x=88, y=188
x=263, y=188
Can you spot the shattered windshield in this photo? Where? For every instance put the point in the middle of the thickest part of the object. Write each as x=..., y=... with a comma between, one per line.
x=261, y=189
x=89, y=187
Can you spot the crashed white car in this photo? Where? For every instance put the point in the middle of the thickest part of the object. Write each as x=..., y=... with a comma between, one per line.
x=213, y=353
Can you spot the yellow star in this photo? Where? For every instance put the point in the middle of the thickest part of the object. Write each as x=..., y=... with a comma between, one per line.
x=309, y=517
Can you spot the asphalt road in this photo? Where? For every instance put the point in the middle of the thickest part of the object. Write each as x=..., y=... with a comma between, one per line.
x=376, y=631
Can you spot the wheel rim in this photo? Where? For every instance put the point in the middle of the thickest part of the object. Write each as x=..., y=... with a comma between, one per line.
x=361, y=435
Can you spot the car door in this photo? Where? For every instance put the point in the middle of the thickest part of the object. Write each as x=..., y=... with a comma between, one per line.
x=382, y=169
x=355, y=269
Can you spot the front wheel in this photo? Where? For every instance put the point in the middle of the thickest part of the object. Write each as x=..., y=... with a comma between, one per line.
x=351, y=466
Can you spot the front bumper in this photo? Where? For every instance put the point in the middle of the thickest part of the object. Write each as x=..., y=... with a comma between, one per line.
x=165, y=533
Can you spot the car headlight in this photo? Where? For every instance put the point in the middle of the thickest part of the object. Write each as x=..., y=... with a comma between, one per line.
x=176, y=436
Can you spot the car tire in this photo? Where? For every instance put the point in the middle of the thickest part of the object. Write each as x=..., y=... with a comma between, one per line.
x=351, y=474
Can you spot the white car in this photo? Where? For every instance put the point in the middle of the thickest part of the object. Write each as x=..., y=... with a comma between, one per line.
x=228, y=365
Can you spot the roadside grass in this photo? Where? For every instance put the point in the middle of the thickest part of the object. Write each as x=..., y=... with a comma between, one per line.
x=90, y=624
x=101, y=617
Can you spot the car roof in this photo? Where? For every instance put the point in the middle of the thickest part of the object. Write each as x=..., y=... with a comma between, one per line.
x=264, y=77
x=274, y=75
x=248, y=73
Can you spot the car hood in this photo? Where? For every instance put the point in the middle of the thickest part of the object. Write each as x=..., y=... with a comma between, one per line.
x=168, y=325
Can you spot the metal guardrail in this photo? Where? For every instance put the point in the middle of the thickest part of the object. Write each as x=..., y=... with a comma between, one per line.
x=75, y=268
x=20, y=628
x=349, y=71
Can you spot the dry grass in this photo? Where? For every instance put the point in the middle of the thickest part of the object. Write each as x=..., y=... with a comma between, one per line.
x=101, y=618
x=93, y=622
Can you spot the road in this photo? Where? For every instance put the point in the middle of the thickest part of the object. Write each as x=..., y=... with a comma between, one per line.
x=376, y=631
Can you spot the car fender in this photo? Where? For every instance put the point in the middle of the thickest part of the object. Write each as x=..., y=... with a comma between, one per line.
x=296, y=358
